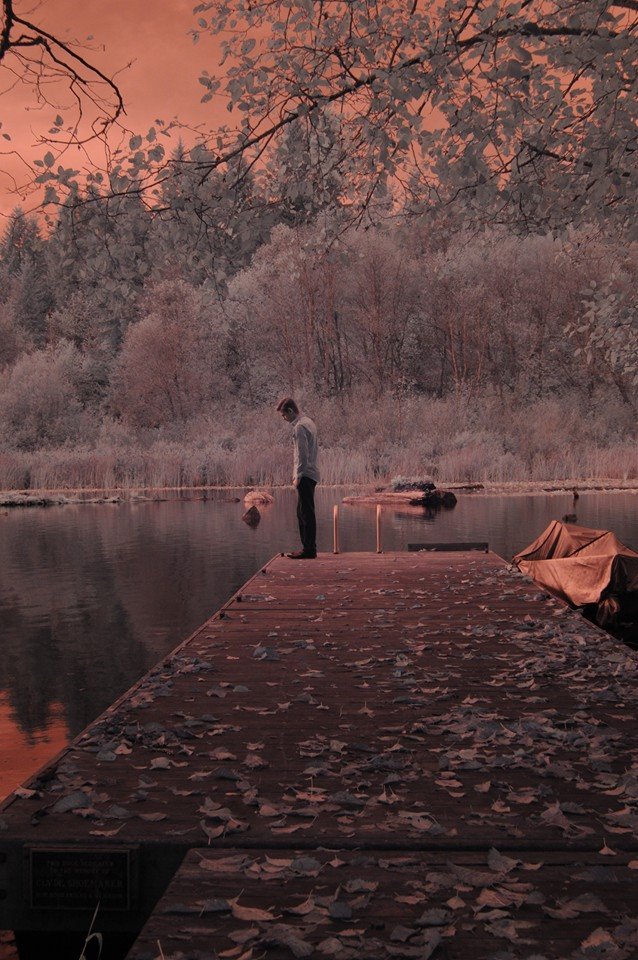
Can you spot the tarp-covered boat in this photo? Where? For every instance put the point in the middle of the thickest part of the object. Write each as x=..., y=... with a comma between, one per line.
x=586, y=568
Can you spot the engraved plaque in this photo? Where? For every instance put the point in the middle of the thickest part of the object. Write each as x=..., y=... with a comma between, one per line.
x=78, y=878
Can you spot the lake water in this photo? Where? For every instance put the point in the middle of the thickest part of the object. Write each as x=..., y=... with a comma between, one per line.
x=92, y=595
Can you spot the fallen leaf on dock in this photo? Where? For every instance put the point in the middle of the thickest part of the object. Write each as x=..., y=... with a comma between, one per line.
x=303, y=908
x=160, y=763
x=607, y=851
x=250, y=913
x=106, y=833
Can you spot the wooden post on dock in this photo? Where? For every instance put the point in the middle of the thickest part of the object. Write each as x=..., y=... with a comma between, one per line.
x=379, y=550
x=335, y=528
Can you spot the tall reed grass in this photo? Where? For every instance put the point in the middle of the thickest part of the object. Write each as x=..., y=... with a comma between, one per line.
x=458, y=439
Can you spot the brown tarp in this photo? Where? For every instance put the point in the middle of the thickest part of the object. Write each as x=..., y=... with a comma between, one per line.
x=580, y=565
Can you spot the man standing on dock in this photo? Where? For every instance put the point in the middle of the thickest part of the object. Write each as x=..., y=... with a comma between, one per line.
x=304, y=475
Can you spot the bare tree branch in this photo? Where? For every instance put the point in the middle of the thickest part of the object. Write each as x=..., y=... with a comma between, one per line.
x=37, y=57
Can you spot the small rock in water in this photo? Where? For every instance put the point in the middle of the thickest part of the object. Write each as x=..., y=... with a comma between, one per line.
x=252, y=517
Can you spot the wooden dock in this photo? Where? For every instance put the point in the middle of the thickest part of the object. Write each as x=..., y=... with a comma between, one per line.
x=386, y=754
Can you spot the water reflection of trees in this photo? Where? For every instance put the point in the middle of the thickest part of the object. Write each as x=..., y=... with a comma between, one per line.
x=68, y=632
x=66, y=636
x=28, y=669
x=92, y=597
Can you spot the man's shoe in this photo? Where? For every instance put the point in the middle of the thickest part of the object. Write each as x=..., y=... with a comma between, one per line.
x=301, y=555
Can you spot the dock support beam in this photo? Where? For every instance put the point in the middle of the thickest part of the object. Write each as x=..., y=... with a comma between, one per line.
x=379, y=550
x=335, y=528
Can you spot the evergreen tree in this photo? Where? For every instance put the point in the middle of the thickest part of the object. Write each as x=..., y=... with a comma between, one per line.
x=99, y=248
x=25, y=282
x=208, y=226
x=19, y=242
x=32, y=299
x=308, y=171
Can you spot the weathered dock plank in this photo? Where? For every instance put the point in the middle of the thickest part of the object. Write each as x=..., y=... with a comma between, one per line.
x=407, y=702
x=377, y=906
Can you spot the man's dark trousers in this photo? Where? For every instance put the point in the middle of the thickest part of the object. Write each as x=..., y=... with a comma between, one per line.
x=306, y=514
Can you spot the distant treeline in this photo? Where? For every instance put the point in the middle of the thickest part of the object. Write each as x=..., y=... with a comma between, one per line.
x=136, y=350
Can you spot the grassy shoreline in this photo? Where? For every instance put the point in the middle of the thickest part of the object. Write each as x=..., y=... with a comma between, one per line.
x=486, y=488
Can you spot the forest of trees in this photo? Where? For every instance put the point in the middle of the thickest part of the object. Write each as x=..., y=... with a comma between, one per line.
x=143, y=349
x=421, y=224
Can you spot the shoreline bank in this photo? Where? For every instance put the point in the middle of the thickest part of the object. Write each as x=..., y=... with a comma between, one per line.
x=113, y=495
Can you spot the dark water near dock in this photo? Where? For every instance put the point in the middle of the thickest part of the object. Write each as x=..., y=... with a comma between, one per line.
x=91, y=596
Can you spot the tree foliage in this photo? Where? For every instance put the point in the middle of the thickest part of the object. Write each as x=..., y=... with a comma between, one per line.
x=307, y=173
x=170, y=365
x=519, y=110
x=607, y=330
x=494, y=309
x=208, y=228
x=131, y=334
x=39, y=402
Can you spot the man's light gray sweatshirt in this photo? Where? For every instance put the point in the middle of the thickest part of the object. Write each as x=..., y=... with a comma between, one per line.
x=304, y=435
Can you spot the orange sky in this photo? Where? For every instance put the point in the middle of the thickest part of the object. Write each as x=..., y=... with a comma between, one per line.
x=161, y=82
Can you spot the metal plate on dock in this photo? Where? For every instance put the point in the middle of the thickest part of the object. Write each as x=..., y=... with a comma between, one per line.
x=78, y=878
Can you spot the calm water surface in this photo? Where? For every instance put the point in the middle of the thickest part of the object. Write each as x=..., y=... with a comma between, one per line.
x=91, y=596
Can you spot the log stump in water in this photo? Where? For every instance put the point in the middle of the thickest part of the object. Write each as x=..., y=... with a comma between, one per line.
x=252, y=517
